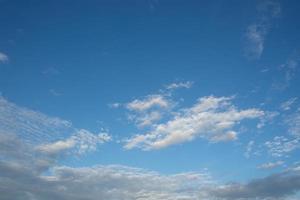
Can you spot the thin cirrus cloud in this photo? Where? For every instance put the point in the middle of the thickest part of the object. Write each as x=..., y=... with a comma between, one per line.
x=3, y=58
x=271, y=165
x=211, y=118
x=49, y=135
x=288, y=70
x=30, y=124
x=82, y=141
x=256, y=33
x=177, y=85
x=288, y=104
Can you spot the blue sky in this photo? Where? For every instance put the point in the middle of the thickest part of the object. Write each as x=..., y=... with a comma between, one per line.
x=149, y=99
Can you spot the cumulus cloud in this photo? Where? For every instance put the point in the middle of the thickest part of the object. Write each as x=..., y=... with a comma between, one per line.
x=22, y=176
x=3, y=58
x=256, y=33
x=146, y=111
x=31, y=172
x=149, y=102
x=212, y=118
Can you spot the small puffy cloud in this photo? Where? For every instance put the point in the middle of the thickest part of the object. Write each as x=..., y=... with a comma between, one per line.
x=149, y=102
x=280, y=146
x=148, y=110
x=271, y=165
x=3, y=58
x=212, y=118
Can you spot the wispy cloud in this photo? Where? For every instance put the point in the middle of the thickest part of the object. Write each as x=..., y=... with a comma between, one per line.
x=281, y=146
x=3, y=58
x=249, y=149
x=256, y=33
x=54, y=92
x=81, y=141
x=49, y=134
x=31, y=125
x=271, y=165
x=51, y=71
x=289, y=70
x=22, y=171
x=177, y=85
x=212, y=118
x=293, y=123
x=287, y=104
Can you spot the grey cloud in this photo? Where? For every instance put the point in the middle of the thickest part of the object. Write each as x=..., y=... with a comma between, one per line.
x=273, y=187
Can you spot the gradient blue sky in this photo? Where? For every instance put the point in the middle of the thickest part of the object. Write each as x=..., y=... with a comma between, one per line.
x=144, y=84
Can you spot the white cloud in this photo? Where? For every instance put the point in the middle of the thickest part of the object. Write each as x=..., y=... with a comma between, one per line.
x=147, y=111
x=249, y=149
x=31, y=125
x=148, y=118
x=280, y=146
x=57, y=147
x=255, y=36
x=293, y=123
x=212, y=118
x=287, y=104
x=177, y=85
x=149, y=102
x=289, y=70
x=54, y=92
x=50, y=135
x=271, y=165
x=256, y=33
x=23, y=177
x=83, y=141
x=3, y=58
